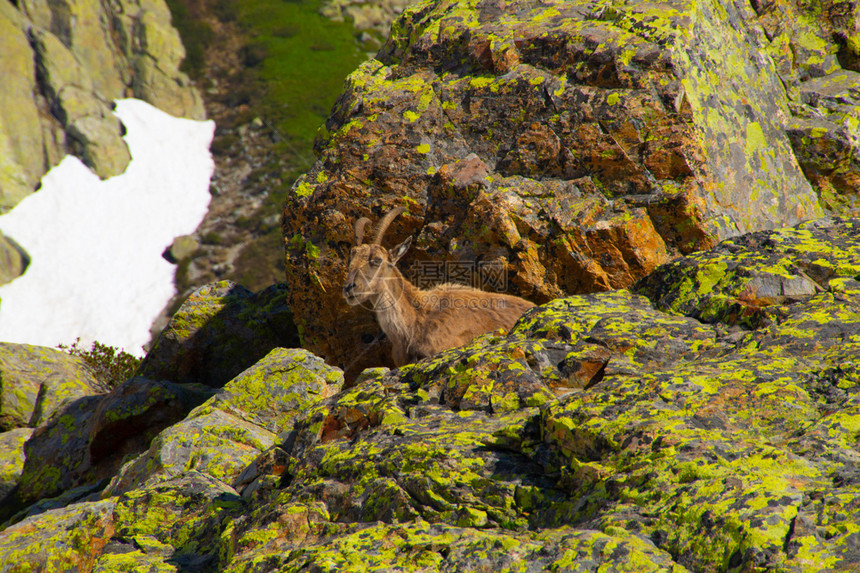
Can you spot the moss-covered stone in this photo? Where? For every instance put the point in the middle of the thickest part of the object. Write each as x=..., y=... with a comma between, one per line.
x=36, y=381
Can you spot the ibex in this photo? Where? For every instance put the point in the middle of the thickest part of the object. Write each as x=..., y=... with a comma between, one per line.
x=419, y=322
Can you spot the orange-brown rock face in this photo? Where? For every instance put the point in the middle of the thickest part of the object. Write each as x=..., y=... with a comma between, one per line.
x=542, y=148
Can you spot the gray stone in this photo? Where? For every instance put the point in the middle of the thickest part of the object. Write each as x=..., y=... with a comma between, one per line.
x=13, y=260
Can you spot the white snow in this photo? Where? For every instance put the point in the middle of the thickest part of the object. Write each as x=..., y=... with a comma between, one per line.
x=96, y=269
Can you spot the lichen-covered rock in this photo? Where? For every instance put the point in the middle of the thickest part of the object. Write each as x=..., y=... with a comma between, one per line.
x=225, y=434
x=12, y=458
x=36, y=381
x=220, y=330
x=810, y=44
x=750, y=279
x=599, y=434
x=182, y=519
x=825, y=134
x=713, y=448
x=86, y=441
x=63, y=64
x=421, y=546
x=559, y=148
x=277, y=389
x=66, y=539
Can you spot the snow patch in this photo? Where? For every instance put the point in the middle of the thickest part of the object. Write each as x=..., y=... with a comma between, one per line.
x=96, y=269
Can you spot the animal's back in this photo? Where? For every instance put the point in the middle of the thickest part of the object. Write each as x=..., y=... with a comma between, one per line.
x=458, y=313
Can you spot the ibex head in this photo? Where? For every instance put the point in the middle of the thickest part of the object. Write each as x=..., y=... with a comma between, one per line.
x=370, y=266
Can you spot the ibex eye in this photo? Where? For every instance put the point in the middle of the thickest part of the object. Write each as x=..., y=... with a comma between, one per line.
x=375, y=262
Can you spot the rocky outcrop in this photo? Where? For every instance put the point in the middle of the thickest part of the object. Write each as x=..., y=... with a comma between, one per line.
x=63, y=64
x=704, y=421
x=572, y=147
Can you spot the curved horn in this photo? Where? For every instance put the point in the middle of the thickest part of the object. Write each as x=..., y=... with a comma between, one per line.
x=359, y=229
x=385, y=222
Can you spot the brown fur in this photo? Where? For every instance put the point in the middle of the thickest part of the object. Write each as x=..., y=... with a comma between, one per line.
x=418, y=322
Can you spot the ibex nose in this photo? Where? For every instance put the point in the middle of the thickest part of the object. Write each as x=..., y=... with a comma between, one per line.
x=349, y=285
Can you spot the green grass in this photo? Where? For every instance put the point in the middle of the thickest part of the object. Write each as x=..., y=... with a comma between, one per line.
x=301, y=59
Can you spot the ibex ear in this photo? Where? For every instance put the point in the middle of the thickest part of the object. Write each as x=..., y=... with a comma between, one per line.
x=400, y=250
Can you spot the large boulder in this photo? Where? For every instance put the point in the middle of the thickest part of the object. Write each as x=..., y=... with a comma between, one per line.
x=63, y=64
x=569, y=148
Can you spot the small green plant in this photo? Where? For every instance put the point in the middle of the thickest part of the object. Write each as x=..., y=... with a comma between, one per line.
x=111, y=366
